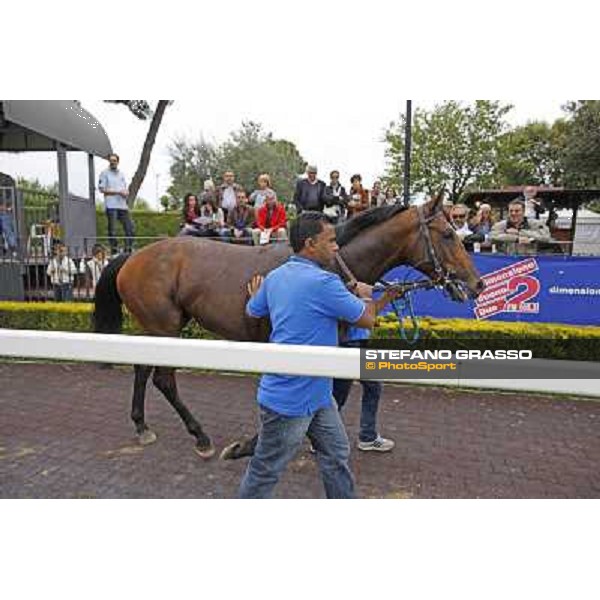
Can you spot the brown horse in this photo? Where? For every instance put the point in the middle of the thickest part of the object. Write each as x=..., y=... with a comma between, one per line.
x=170, y=282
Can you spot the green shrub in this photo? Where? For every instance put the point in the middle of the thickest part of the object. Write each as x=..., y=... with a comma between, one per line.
x=551, y=340
x=70, y=316
x=545, y=340
x=148, y=224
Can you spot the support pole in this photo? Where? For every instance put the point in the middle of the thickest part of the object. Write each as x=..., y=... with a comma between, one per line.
x=63, y=193
x=407, y=151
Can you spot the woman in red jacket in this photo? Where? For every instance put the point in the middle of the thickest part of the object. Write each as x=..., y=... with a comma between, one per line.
x=271, y=221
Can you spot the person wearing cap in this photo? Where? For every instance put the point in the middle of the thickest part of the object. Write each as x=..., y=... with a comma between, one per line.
x=310, y=192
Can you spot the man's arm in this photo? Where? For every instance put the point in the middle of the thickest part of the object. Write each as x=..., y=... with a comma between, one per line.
x=103, y=182
x=499, y=235
x=540, y=234
x=374, y=307
x=297, y=193
x=322, y=195
x=360, y=312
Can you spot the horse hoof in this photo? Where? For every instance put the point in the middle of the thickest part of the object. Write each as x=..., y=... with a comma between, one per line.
x=205, y=452
x=146, y=438
x=231, y=452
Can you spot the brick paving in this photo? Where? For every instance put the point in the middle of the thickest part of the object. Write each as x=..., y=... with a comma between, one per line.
x=65, y=433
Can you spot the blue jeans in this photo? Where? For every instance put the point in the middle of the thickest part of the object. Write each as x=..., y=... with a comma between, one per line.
x=370, y=405
x=63, y=292
x=279, y=439
x=370, y=400
x=123, y=216
x=7, y=229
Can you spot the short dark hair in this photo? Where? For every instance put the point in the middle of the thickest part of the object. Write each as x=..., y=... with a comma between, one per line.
x=115, y=155
x=334, y=171
x=517, y=202
x=355, y=177
x=307, y=226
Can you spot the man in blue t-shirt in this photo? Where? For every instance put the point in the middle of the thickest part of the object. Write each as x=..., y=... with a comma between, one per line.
x=304, y=303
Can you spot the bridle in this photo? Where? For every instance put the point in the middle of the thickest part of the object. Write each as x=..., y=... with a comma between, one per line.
x=439, y=277
x=443, y=279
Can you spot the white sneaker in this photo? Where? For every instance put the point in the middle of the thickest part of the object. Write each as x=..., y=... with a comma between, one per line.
x=379, y=444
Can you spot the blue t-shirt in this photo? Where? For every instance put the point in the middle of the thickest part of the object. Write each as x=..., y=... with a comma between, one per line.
x=357, y=334
x=304, y=303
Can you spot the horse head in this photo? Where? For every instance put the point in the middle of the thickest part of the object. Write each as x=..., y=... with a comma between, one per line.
x=442, y=255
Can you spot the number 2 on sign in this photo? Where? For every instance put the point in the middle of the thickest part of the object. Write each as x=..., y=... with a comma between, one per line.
x=518, y=302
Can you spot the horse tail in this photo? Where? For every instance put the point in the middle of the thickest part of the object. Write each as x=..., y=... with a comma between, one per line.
x=108, y=313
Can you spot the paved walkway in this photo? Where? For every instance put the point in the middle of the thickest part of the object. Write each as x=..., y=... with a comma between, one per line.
x=65, y=433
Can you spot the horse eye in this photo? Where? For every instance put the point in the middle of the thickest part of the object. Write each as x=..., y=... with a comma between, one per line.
x=448, y=234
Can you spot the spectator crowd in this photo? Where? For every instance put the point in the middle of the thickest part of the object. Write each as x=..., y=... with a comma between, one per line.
x=258, y=217
x=228, y=212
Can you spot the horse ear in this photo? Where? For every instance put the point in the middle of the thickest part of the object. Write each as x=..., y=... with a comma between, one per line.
x=435, y=204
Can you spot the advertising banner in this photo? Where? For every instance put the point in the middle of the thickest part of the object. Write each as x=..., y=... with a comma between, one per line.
x=549, y=289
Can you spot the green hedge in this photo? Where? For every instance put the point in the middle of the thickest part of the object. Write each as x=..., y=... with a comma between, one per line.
x=387, y=327
x=552, y=340
x=69, y=316
x=147, y=224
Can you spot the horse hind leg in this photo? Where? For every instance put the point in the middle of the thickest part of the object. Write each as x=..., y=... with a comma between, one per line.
x=239, y=449
x=164, y=380
x=144, y=434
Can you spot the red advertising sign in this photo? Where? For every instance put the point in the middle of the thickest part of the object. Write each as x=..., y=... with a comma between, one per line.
x=509, y=289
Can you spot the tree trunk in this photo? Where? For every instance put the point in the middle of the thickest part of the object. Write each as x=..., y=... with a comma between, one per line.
x=140, y=173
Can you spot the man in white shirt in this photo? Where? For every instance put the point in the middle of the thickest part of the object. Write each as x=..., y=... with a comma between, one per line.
x=227, y=193
x=113, y=185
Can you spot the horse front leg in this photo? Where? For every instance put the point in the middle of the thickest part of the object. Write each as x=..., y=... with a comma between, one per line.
x=144, y=434
x=164, y=380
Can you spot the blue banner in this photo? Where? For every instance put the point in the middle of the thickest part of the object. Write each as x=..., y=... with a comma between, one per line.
x=548, y=289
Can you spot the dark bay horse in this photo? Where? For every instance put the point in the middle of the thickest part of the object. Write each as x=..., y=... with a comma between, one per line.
x=170, y=282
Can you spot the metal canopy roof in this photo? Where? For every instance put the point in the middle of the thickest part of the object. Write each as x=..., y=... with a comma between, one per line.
x=38, y=125
x=559, y=197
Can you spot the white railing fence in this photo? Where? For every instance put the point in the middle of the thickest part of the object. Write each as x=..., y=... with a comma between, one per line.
x=246, y=357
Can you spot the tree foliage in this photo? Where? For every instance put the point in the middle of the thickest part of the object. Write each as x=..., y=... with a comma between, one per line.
x=36, y=194
x=454, y=146
x=582, y=151
x=141, y=109
x=532, y=155
x=247, y=152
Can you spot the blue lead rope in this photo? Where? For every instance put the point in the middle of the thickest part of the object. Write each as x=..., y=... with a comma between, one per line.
x=404, y=307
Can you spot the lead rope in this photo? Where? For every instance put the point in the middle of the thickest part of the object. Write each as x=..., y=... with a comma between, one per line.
x=403, y=306
x=352, y=281
x=404, y=309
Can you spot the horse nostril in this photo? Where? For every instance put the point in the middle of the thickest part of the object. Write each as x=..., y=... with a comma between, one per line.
x=480, y=285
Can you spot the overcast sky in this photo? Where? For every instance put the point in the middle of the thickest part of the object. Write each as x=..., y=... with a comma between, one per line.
x=333, y=134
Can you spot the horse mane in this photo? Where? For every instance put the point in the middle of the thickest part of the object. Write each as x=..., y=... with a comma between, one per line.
x=372, y=216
